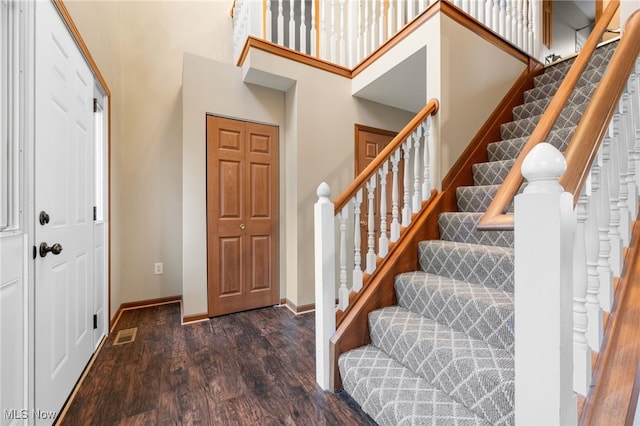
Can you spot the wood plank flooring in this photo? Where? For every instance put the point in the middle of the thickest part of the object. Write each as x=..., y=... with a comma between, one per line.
x=251, y=368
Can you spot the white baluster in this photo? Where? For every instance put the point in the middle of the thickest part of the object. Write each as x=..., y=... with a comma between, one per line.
x=371, y=230
x=395, y=211
x=324, y=33
x=592, y=302
x=519, y=24
x=392, y=21
x=533, y=24
x=411, y=10
x=334, y=35
x=325, y=281
x=280, y=35
x=357, y=242
x=406, y=207
x=400, y=13
x=343, y=292
x=508, y=20
x=502, y=17
x=514, y=22
x=481, y=10
x=417, y=187
x=374, y=25
x=292, y=26
x=581, y=351
x=495, y=17
x=352, y=31
x=383, y=239
x=365, y=32
x=382, y=31
x=360, y=48
x=623, y=202
x=313, y=36
x=342, y=43
x=426, y=179
x=473, y=8
x=303, y=28
x=465, y=6
x=422, y=5
x=605, y=294
x=268, y=31
x=614, y=188
x=488, y=14
x=628, y=136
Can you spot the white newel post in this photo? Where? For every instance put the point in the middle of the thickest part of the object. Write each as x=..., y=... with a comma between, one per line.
x=324, y=240
x=544, y=230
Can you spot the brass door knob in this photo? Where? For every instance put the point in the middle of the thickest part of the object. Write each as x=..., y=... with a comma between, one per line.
x=242, y=226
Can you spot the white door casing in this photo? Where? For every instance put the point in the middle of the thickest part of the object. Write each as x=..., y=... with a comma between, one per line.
x=64, y=173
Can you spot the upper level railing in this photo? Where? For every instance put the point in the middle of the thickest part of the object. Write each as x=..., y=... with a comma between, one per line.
x=345, y=32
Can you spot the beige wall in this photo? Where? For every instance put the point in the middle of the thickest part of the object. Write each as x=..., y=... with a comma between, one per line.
x=316, y=144
x=138, y=46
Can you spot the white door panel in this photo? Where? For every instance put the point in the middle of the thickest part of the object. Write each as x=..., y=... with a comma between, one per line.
x=64, y=168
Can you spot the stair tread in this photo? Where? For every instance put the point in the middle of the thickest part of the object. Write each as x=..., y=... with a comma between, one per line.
x=509, y=149
x=570, y=116
x=469, y=370
x=590, y=76
x=392, y=394
x=475, y=263
x=491, y=172
x=483, y=312
x=579, y=96
x=477, y=198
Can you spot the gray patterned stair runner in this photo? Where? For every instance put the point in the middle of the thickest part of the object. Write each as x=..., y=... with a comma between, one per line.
x=444, y=355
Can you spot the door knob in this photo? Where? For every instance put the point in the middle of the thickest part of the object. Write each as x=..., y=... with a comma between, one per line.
x=55, y=249
x=44, y=217
x=363, y=223
x=242, y=226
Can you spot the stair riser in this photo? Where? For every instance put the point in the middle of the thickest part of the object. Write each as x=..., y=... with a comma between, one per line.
x=477, y=264
x=510, y=149
x=464, y=307
x=462, y=227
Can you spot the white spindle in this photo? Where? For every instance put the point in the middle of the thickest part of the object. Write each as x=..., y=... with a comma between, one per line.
x=592, y=302
x=628, y=136
x=343, y=293
x=605, y=294
x=406, y=207
x=426, y=179
x=481, y=5
x=619, y=147
x=371, y=230
x=495, y=17
x=334, y=35
x=417, y=187
x=342, y=43
x=519, y=24
x=581, y=351
x=353, y=33
x=280, y=35
x=502, y=16
x=374, y=25
x=615, y=259
x=533, y=24
x=392, y=21
x=357, y=242
x=488, y=14
x=383, y=239
x=365, y=31
x=422, y=5
x=313, y=36
x=303, y=28
x=268, y=31
x=395, y=211
x=411, y=10
x=465, y=5
x=400, y=13
x=381, y=24
x=325, y=291
x=508, y=20
x=292, y=25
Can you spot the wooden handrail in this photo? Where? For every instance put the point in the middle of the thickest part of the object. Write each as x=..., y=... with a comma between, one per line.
x=495, y=217
x=586, y=140
x=429, y=109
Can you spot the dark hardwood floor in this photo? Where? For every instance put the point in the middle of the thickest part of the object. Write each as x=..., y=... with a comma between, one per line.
x=251, y=368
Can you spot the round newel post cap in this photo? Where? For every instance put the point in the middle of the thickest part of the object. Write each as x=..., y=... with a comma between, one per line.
x=323, y=192
x=542, y=168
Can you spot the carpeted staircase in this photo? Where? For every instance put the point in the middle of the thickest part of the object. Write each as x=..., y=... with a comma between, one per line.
x=445, y=354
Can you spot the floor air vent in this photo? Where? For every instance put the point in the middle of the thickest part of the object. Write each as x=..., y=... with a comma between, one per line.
x=125, y=336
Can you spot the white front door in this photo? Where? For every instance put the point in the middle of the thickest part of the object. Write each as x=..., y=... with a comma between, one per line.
x=64, y=173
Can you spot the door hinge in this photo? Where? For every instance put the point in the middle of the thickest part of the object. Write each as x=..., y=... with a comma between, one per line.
x=95, y=321
x=35, y=252
x=95, y=212
x=95, y=105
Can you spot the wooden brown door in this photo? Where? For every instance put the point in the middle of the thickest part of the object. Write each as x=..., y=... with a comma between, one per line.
x=369, y=143
x=242, y=215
